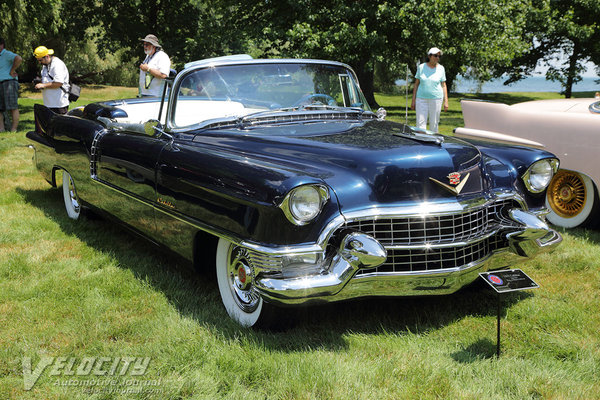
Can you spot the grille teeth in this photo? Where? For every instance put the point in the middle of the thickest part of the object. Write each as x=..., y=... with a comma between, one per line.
x=477, y=228
x=444, y=229
x=265, y=261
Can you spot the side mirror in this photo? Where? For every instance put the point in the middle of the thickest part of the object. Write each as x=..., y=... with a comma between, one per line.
x=152, y=126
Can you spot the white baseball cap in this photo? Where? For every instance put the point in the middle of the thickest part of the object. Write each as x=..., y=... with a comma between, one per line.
x=434, y=50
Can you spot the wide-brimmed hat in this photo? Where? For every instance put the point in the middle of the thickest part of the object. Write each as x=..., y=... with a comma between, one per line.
x=434, y=50
x=42, y=51
x=152, y=39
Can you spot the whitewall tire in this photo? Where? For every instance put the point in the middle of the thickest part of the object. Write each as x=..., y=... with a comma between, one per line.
x=571, y=199
x=235, y=279
x=70, y=196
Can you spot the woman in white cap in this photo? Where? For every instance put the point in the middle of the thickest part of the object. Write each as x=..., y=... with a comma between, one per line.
x=154, y=69
x=430, y=91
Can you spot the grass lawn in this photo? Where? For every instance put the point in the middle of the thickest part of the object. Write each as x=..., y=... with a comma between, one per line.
x=87, y=289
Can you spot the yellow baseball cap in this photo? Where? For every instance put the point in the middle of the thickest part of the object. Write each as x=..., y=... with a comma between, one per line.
x=42, y=51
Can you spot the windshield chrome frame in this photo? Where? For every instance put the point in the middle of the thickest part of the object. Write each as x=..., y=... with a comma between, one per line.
x=172, y=105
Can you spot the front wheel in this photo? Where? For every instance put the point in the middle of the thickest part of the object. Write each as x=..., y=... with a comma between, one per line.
x=571, y=198
x=235, y=277
x=70, y=196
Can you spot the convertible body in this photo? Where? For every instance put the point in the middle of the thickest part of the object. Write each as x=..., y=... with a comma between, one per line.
x=278, y=171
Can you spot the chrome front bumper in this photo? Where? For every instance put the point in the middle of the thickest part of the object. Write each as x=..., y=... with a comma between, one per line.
x=526, y=233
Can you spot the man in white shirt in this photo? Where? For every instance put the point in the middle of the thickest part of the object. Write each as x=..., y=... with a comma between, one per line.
x=55, y=80
x=154, y=69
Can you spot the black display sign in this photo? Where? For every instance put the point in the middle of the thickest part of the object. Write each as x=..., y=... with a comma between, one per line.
x=508, y=280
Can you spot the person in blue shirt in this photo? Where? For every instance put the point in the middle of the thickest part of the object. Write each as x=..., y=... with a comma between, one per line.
x=9, y=85
x=430, y=91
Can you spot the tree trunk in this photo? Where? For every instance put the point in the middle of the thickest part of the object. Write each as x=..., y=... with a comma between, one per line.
x=153, y=10
x=449, y=82
x=572, y=71
x=367, y=85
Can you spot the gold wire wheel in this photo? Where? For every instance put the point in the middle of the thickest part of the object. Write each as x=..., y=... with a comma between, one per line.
x=567, y=194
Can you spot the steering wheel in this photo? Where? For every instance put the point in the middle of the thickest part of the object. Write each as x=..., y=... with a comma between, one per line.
x=316, y=98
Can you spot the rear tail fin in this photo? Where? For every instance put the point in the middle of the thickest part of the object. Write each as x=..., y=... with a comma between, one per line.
x=42, y=115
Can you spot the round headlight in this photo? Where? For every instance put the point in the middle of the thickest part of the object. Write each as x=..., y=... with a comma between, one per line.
x=305, y=203
x=538, y=176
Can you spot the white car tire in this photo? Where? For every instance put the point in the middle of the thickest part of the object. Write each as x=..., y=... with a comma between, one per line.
x=234, y=277
x=571, y=199
x=70, y=196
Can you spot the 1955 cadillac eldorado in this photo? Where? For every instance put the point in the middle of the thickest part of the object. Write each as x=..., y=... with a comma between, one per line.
x=278, y=172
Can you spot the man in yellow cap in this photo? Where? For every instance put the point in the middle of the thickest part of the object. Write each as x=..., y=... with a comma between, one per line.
x=55, y=80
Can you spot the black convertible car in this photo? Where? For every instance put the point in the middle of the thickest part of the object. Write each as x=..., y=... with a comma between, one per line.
x=278, y=172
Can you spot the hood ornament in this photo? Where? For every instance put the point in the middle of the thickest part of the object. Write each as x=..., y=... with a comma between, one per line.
x=454, y=179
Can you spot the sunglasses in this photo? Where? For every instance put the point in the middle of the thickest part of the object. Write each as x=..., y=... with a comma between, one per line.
x=436, y=55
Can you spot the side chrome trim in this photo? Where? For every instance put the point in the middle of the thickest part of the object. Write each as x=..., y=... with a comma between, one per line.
x=94, y=153
x=172, y=213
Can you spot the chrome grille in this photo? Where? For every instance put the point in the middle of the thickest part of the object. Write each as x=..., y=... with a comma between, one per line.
x=265, y=261
x=419, y=260
x=417, y=244
x=442, y=229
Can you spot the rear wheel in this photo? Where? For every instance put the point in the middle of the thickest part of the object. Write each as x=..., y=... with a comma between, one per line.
x=70, y=196
x=571, y=198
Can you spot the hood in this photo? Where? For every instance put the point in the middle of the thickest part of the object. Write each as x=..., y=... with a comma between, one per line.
x=368, y=163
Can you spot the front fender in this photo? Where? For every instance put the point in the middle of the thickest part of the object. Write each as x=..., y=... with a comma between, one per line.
x=236, y=195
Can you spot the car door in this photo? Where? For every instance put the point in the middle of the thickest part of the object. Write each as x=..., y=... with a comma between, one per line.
x=127, y=167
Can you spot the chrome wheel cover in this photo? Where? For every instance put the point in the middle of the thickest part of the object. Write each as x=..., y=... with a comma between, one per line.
x=240, y=278
x=73, y=195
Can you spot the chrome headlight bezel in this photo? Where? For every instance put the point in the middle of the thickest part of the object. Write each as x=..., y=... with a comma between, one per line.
x=292, y=199
x=533, y=179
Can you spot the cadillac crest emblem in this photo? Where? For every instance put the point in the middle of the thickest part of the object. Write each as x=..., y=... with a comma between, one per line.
x=455, y=179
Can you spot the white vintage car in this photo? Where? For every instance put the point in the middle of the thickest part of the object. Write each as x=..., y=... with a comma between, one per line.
x=569, y=128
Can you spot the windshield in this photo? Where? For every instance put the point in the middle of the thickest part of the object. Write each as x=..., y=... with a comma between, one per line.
x=239, y=90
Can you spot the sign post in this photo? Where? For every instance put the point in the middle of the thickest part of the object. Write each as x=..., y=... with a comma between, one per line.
x=504, y=282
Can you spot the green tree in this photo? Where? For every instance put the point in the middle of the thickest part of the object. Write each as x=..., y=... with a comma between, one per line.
x=26, y=24
x=100, y=39
x=560, y=31
x=477, y=37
